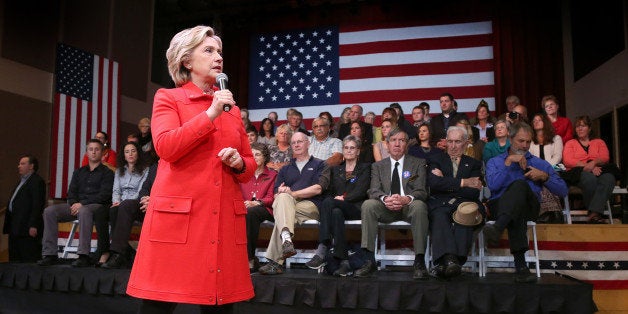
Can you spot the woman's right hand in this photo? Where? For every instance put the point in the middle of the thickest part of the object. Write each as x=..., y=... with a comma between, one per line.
x=221, y=98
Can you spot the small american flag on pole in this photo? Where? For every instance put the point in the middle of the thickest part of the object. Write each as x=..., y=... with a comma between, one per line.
x=329, y=68
x=86, y=101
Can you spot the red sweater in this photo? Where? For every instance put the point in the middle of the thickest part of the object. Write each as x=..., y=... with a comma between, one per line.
x=563, y=127
x=574, y=153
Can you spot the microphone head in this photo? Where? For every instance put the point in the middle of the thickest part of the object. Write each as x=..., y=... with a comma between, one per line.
x=222, y=77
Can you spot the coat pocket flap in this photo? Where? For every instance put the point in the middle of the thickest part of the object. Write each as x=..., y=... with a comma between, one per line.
x=172, y=204
x=239, y=207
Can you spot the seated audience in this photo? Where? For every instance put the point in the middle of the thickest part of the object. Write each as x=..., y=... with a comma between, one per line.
x=515, y=179
x=397, y=192
x=127, y=183
x=344, y=118
x=355, y=115
x=348, y=183
x=562, y=126
x=548, y=146
x=280, y=154
x=387, y=114
x=333, y=130
x=424, y=149
x=402, y=122
x=23, y=221
x=366, y=151
x=298, y=194
x=369, y=117
x=258, y=197
x=144, y=135
x=109, y=156
x=380, y=150
x=470, y=150
x=418, y=118
x=89, y=194
x=295, y=121
x=455, y=183
x=426, y=111
x=267, y=132
x=483, y=123
x=251, y=133
x=323, y=146
x=545, y=143
x=589, y=156
x=448, y=117
x=500, y=144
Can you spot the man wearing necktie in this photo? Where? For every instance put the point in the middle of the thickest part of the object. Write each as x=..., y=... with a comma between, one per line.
x=453, y=179
x=23, y=221
x=397, y=192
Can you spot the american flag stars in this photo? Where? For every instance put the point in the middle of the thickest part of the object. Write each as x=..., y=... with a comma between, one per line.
x=298, y=68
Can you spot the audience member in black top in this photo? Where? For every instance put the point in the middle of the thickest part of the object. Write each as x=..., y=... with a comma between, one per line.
x=448, y=117
x=23, y=221
x=355, y=115
x=88, y=195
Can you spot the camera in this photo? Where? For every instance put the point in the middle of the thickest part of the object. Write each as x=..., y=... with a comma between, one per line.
x=513, y=115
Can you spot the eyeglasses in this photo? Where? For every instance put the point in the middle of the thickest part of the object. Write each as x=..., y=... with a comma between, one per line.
x=319, y=126
x=299, y=142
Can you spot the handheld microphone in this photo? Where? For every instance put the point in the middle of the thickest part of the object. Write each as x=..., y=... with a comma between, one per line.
x=222, y=80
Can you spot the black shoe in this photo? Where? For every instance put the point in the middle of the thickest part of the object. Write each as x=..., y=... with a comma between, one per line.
x=287, y=249
x=48, y=260
x=115, y=261
x=366, y=270
x=437, y=271
x=82, y=261
x=491, y=235
x=451, y=266
x=316, y=262
x=419, y=272
x=254, y=265
x=523, y=274
x=344, y=270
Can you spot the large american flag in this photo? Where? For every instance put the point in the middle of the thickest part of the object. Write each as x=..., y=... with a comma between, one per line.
x=329, y=68
x=86, y=101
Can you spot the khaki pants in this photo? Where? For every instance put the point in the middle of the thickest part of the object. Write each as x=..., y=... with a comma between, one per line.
x=287, y=211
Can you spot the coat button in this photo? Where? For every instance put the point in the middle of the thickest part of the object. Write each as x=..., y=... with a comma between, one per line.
x=215, y=212
x=213, y=241
x=218, y=270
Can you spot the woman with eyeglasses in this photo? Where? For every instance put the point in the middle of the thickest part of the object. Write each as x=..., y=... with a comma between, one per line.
x=348, y=183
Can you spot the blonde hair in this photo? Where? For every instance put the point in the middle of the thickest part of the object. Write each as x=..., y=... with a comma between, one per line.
x=144, y=121
x=180, y=50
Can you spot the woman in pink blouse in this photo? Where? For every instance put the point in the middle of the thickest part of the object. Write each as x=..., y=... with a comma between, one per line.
x=590, y=154
x=258, y=197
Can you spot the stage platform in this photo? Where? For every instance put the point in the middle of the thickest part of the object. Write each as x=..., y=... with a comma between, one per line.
x=28, y=288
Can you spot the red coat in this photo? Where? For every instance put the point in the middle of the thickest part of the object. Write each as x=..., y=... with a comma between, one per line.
x=193, y=243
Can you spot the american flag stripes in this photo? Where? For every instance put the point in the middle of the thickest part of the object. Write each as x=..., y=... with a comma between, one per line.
x=86, y=101
x=329, y=68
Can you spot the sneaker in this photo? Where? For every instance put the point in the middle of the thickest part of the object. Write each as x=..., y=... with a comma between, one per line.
x=366, y=270
x=82, y=261
x=344, y=270
x=271, y=268
x=288, y=250
x=48, y=260
x=452, y=267
x=316, y=262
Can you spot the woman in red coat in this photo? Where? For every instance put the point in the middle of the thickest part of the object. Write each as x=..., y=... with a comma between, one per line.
x=193, y=243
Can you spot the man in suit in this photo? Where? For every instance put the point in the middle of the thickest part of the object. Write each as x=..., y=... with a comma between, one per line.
x=454, y=179
x=397, y=192
x=89, y=194
x=448, y=117
x=355, y=115
x=23, y=222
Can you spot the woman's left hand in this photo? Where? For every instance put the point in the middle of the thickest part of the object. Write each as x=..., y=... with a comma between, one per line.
x=597, y=171
x=231, y=158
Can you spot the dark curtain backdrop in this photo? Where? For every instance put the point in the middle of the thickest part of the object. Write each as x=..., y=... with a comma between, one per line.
x=528, y=38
